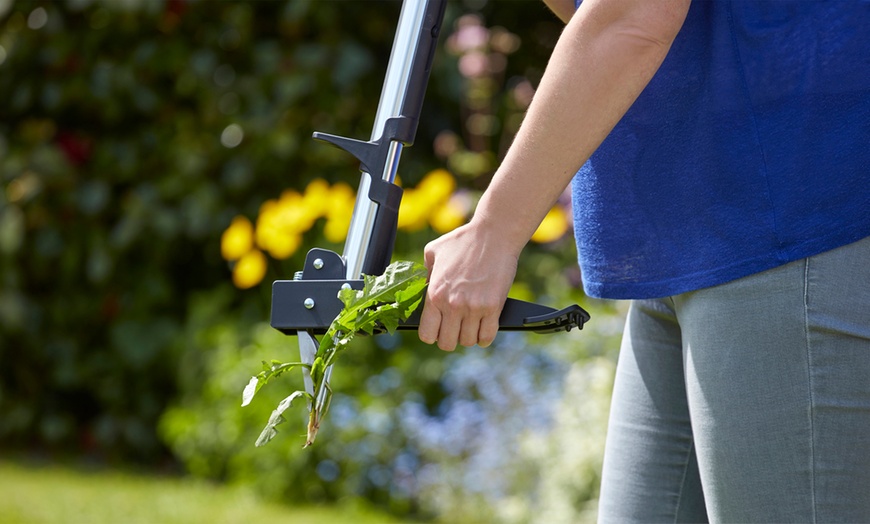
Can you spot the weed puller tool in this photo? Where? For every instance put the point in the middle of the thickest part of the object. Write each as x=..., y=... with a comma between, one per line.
x=307, y=305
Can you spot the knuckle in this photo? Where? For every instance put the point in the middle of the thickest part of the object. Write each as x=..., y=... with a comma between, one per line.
x=483, y=304
x=455, y=302
x=429, y=252
x=437, y=298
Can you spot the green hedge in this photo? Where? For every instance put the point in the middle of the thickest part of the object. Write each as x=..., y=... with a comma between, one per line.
x=117, y=187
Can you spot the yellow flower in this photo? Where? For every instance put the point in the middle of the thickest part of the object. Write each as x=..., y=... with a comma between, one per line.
x=447, y=217
x=280, y=242
x=295, y=213
x=553, y=227
x=281, y=223
x=414, y=211
x=237, y=239
x=421, y=204
x=250, y=269
x=437, y=186
x=268, y=216
x=267, y=223
x=283, y=245
x=337, y=223
x=341, y=200
x=289, y=197
x=316, y=200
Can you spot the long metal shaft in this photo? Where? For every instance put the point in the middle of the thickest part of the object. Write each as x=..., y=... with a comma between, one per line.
x=390, y=105
x=396, y=82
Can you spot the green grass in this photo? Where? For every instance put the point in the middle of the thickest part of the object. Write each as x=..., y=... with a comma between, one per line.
x=60, y=494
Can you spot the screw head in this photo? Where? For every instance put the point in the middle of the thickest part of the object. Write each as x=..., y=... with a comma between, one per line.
x=345, y=286
x=318, y=263
x=308, y=303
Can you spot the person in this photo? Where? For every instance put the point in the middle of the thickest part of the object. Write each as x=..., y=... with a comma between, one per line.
x=720, y=158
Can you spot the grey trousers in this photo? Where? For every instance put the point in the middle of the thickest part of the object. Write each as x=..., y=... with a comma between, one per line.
x=746, y=402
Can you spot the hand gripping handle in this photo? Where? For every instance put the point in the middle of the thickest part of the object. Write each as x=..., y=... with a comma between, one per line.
x=311, y=305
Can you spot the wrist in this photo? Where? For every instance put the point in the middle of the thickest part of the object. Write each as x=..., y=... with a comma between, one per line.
x=499, y=232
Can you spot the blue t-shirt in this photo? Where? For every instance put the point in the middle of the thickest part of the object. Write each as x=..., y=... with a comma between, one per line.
x=750, y=148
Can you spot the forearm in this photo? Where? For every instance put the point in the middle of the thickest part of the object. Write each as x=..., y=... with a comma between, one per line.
x=606, y=56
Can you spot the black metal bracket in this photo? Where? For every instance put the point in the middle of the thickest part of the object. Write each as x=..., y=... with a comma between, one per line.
x=373, y=157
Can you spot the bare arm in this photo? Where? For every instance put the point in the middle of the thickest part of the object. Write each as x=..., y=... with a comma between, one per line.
x=607, y=54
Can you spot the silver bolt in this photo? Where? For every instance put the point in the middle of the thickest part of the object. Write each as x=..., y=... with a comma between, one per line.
x=308, y=303
x=318, y=263
x=297, y=275
x=345, y=286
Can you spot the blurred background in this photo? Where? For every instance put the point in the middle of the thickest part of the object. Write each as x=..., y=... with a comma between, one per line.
x=158, y=174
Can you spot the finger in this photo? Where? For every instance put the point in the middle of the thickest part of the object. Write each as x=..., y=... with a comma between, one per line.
x=488, y=330
x=468, y=332
x=448, y=333
x=430, y=323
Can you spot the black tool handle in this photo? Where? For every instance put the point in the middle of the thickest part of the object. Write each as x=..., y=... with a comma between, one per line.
x=311, y=305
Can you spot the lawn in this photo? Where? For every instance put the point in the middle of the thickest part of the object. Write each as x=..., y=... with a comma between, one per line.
x=61, y=494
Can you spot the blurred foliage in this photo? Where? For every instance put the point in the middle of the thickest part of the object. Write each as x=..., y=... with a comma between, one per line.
x=119, y=179
x=157, y=174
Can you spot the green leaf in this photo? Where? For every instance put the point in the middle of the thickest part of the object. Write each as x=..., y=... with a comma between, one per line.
x=348, y=296
x=276, y=418
x=409, y=299
x=382, y=289
x=250, y=391
x=384, y=302
x=365, y=321
x=317, y=370
x=397, y=276
x=270, y=371
x=388, y=316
